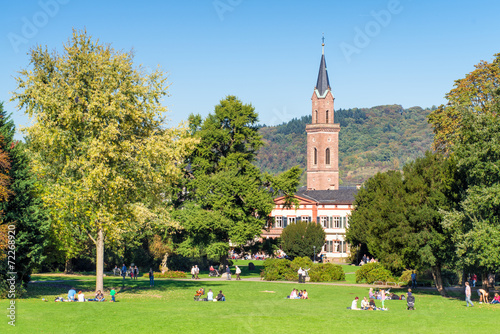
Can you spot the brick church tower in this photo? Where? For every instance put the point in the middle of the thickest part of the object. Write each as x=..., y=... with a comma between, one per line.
x=322, y=136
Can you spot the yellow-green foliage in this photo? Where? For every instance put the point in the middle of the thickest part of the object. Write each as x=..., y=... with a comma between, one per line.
x=99, y=139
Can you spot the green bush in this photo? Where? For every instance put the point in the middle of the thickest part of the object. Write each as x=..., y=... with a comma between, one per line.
x=168, y=274
x=372, y=272
x=285, y=270
x=326, y=272
x=278, y=270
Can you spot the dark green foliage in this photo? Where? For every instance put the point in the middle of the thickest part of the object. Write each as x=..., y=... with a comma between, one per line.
x=398, y=216
x=371, y=140
x=24, y=208
x=298, y=239
x=225, y=197
x=372, y=272
x=379, y=220
x=475, y=224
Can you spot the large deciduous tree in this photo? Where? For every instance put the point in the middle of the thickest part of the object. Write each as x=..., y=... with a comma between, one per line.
x=300, y=239
x=473, y=93
x=99, y=139
x=398, y=216
x=475, y=224
x=226, y=198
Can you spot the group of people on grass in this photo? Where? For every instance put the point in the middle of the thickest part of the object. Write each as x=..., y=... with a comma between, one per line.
x=80, y=296
x=133, y=271
x=483, y=296
x=296, y=294
x=369, y=304
x=210, y=296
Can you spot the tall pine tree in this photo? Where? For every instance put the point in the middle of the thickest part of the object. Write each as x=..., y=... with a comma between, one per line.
x=23, y=207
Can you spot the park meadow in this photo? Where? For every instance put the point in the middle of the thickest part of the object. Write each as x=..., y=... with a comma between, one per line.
x=252, y=306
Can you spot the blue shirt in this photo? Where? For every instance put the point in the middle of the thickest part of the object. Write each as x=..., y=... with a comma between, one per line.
x=71, y=294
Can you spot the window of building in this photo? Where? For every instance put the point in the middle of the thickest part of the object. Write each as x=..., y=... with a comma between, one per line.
x=315, y=156
x=306, y=219
x=315, y=116
x=336, y=222
x=329, y=246
x=278, y=221
x=324, y=222
x=291, y=220
x=327, y=116
x=327, y=156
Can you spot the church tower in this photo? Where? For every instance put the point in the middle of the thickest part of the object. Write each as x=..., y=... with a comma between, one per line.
x=322, y=136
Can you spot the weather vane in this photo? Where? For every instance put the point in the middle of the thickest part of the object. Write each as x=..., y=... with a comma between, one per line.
x=323, y=39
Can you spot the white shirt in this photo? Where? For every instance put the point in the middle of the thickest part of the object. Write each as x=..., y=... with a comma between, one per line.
x=210, y=296
x=81, y=297
x=354, y=305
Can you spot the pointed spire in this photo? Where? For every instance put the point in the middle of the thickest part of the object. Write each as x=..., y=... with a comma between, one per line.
x=323, y=84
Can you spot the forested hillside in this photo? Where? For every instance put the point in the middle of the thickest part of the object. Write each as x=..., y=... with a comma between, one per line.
x=370, y=140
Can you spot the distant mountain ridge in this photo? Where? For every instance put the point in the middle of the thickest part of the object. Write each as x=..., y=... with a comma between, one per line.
x=371, y=140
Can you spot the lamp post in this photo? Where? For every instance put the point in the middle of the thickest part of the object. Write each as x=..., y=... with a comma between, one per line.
x=314, y=256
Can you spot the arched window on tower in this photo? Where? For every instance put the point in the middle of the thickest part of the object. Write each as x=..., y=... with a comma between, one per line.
x=327, y=116
x=327, y=156
x=315, y=116
x=315, y=156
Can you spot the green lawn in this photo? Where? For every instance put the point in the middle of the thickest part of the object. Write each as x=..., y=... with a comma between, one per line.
x=251, y=307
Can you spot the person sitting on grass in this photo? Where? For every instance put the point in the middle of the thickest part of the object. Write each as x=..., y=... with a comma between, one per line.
x=71, y=295
x=365, y=305
x=372, y=305
x=496, y=299
x=305, y=295
x=210, y=295
x=99, y=297
x=354, y=304
x=221, y=297
x=112, y=293
x=81, y=296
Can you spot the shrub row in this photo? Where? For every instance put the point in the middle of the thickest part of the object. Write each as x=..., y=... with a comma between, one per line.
x=285, y=270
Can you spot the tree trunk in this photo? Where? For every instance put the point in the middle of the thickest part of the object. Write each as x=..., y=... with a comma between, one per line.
x=484, y=280
x=464, y=277
x=68, y=266
x=438, y=279
x=99, y=282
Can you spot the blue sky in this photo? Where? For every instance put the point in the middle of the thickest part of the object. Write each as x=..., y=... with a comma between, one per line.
x=267, y=52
